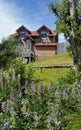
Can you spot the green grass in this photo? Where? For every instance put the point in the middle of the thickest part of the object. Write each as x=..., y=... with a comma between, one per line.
x=51, y=75
x=54, y=60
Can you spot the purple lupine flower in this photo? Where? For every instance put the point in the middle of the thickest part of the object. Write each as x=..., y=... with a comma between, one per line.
x=55, y=93
x=11, y=98
x=5, y=107
x=33, y=86
x=26, y=83
x=6, y=126
x=67, y=90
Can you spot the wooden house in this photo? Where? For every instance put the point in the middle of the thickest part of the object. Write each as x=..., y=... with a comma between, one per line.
x=39, y=43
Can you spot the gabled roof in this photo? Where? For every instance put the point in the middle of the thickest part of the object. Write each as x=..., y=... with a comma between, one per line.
x=23, y=27
x=44, y=26
x=35, y=33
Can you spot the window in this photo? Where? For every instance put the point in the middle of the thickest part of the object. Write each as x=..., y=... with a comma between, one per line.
x=22, y=33
x=43, y=34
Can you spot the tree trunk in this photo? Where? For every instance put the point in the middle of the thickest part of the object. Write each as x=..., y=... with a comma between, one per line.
x=73, y=41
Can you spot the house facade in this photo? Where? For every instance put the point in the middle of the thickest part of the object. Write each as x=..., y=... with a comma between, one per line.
x=39, y=43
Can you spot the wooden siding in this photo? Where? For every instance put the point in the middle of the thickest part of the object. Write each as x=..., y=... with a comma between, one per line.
x=45, y=51
x=23, y=51
x=37, y=39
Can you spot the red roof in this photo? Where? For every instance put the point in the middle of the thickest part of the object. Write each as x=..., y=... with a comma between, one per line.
x=34, y=33
x=44, y=44
x=53, y=34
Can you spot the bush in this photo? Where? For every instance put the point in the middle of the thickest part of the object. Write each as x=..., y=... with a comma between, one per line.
x=26, y=73
x=28, y=106
x=33, y=107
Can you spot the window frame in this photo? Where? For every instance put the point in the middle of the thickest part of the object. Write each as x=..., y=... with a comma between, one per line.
x=43, y=33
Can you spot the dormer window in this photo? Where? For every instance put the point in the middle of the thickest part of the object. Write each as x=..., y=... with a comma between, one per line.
x=22, y=33
x=43, y=34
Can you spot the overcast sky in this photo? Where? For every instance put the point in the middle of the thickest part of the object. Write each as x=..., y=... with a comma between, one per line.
x=30, y=13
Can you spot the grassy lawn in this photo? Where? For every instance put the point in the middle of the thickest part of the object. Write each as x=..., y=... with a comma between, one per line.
x=51, y=75
x=54, y=60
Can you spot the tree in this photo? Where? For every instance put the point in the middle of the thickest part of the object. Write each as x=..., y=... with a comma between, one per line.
x=7, y=51
x=68, y=13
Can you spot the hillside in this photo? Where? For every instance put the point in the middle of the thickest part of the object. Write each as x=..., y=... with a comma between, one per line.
x=51, y=75
x=54, y=60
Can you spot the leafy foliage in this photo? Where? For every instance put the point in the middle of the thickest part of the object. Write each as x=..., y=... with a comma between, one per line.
x=7, y=51
x=25, y=72
x=68, y=21
x=29, y=106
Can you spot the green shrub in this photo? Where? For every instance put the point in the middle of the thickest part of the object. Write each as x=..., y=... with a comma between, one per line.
x=26, y=73
x=34, y=107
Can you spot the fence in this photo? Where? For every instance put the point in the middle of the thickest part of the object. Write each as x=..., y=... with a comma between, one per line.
x=62, y=47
